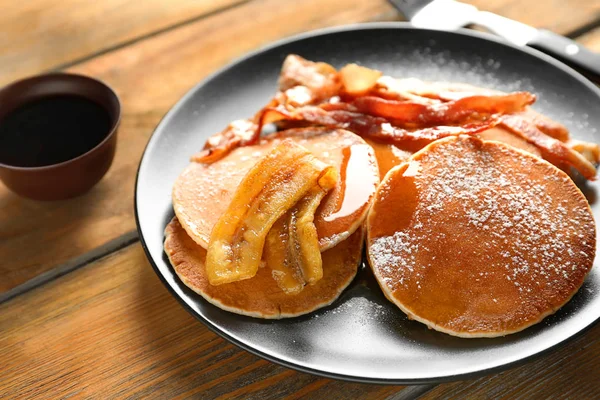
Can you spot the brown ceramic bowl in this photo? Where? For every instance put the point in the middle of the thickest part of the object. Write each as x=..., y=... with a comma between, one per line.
x=74, y=176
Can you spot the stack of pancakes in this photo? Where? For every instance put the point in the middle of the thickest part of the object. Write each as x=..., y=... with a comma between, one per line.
x=203, y=192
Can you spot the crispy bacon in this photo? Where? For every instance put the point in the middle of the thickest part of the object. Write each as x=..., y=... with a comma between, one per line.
x=546, y=125
x=543, y=123
x=550, y=147
x=238, y=133
x=321, y=79
x=448, y=113
x=434, y=92
x=341, y=116
x=301, y=82
x=358, y=80
x=405, y=112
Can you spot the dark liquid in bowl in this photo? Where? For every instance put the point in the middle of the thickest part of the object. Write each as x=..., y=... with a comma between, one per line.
x=52, y=130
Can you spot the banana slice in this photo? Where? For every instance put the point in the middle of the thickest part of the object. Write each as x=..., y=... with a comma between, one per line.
x=292, y=247
x=271, y=188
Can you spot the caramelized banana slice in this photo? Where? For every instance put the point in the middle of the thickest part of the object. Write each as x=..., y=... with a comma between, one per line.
x=283, y=268
x=292, y=246
x=304, y=242
x=269, y=189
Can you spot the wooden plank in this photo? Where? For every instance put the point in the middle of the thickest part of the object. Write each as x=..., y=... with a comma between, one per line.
x=150, y=76
x=112, y=330
x=591, y=40
x=559, y=16
x=41, y=34
x=569, y=373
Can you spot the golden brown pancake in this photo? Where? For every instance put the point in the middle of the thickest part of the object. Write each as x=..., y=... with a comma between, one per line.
x=203, y=191
x=478, y=239
x=260, y=296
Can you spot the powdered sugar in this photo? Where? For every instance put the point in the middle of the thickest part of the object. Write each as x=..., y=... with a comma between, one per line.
x=473, y=209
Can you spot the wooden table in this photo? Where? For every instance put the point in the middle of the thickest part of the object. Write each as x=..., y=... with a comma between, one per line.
x=82, y=312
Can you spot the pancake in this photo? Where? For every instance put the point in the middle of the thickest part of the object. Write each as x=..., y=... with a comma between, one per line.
x=260, y=296
x=203, y=191
x=478, y=239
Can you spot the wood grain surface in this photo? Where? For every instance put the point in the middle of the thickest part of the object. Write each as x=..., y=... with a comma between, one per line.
x=569, y=373
x=38, y=35
x=591, y=40
x=150, y=75
x=564, y=17
x=112, y=328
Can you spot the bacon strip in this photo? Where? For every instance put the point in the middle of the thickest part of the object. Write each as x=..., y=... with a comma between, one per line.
x=400, y=111
x=321, y=79
x=449, y=113
x=340, y=116
x=546, y=125
x=535, y=128
x=238, y=133
x=427, y=92
x=550, y=147
x=292, y=246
